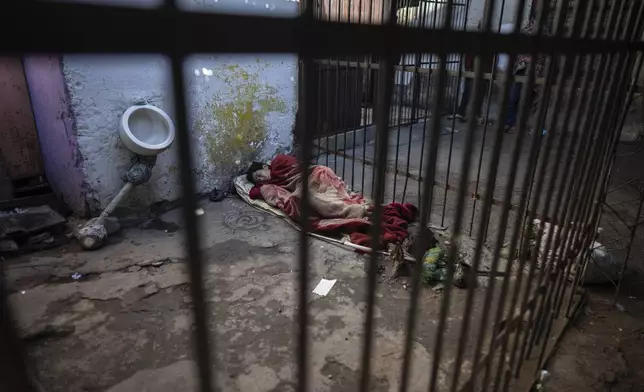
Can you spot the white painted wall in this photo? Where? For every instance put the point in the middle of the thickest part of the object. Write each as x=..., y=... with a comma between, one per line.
x=101, y=88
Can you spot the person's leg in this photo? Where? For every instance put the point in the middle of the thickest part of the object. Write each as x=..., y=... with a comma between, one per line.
x=513, y=105
x=465, y=98
x=481, y=97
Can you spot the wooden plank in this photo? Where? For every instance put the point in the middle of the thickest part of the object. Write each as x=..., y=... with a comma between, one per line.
x=19, y=149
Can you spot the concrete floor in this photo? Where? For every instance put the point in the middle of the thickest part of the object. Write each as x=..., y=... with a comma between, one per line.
x=126, y=325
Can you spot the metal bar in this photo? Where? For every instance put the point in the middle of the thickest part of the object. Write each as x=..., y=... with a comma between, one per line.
x=426, y=206
x=517, y=347
x=560, y=282
x=385, y=80
x=416, y=94
x=467, y=158
x=559, y=155
x=628, y=253
x=540, y=173
x=398, y=120
x=202, y=342
x=524, y=112
x=503, y=219
x=585, y=186
x=307, y=122
x=573, y=161
x=550, y=187
x=251, y=34
x=593, y=216
x=14, y=369
x=485, y=124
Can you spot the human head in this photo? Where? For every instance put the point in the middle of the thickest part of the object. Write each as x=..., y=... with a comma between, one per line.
x=258, y=173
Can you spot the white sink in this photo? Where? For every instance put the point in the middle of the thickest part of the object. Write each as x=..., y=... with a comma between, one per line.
x=146, y=130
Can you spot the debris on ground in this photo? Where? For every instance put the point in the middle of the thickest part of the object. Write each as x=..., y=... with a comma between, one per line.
x=435, y=268
x=542, y=380
x=7, y=246
x=602, y=266
x=76, y=276
x=398, y=263
x=31, y=229
x=199, y=211
x=217, y=195
x=324, y=287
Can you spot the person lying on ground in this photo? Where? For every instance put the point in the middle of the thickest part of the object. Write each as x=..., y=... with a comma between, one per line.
x=335, y=209
x=280, y=185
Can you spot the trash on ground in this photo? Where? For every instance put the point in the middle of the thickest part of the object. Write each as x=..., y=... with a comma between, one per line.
x=602, y=266
x=76, y=276
x=217, y=195
x=324, y=287
x=435, y=269
x=542, y=379
x=199, y=211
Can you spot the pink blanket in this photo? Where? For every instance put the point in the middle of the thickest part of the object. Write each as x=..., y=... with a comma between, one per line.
x=335, y=210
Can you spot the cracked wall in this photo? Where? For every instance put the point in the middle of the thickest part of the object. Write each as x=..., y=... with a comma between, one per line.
x=224, y=137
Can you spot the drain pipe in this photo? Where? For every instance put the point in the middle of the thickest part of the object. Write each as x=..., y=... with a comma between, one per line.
x=92, y=236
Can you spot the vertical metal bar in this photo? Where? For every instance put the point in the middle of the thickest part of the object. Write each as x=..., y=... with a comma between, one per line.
x=485, y=127
x=385, y=80
x=346, y=106
x=634, y=228
x=318, y=117
x=398, y=120
x=480, y=239
x=467, y=158
x=329, y=117
x=14, y=369
x=336, y=112
x=526, y=104
x=307, y=123
x=540, y=174
x=621, y=63
x=545, y=270
x=426, y=206
x=541, y=177
x=586, y=165
x=451, y=137
x=416, y=95
x=607, y=162
x=202, y=341
x=574, y=160
x=507, y=85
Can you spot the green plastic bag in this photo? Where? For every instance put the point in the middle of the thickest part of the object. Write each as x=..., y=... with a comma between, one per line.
x=433, y=266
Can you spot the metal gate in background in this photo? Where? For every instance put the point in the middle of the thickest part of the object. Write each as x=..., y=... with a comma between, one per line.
x=591, y=58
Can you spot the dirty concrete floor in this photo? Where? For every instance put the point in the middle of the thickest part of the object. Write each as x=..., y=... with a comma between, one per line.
x=126, y=324
x=603, y=350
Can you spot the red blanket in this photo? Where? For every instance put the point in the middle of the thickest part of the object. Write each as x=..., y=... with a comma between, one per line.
x=335, y=210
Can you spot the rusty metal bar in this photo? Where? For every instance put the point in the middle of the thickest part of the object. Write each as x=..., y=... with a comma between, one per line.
x=385, y=81
x=202, y=342
x=467, y=159
x=524, y=112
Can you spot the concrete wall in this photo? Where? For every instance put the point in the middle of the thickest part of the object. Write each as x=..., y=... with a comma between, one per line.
x=227, y=132
x=56, y=133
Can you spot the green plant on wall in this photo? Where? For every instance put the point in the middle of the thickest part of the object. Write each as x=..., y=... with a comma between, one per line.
x=234, y=122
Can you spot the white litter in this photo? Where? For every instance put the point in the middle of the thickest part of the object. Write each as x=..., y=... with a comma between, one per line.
x=324, y=287
x=199, y=211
